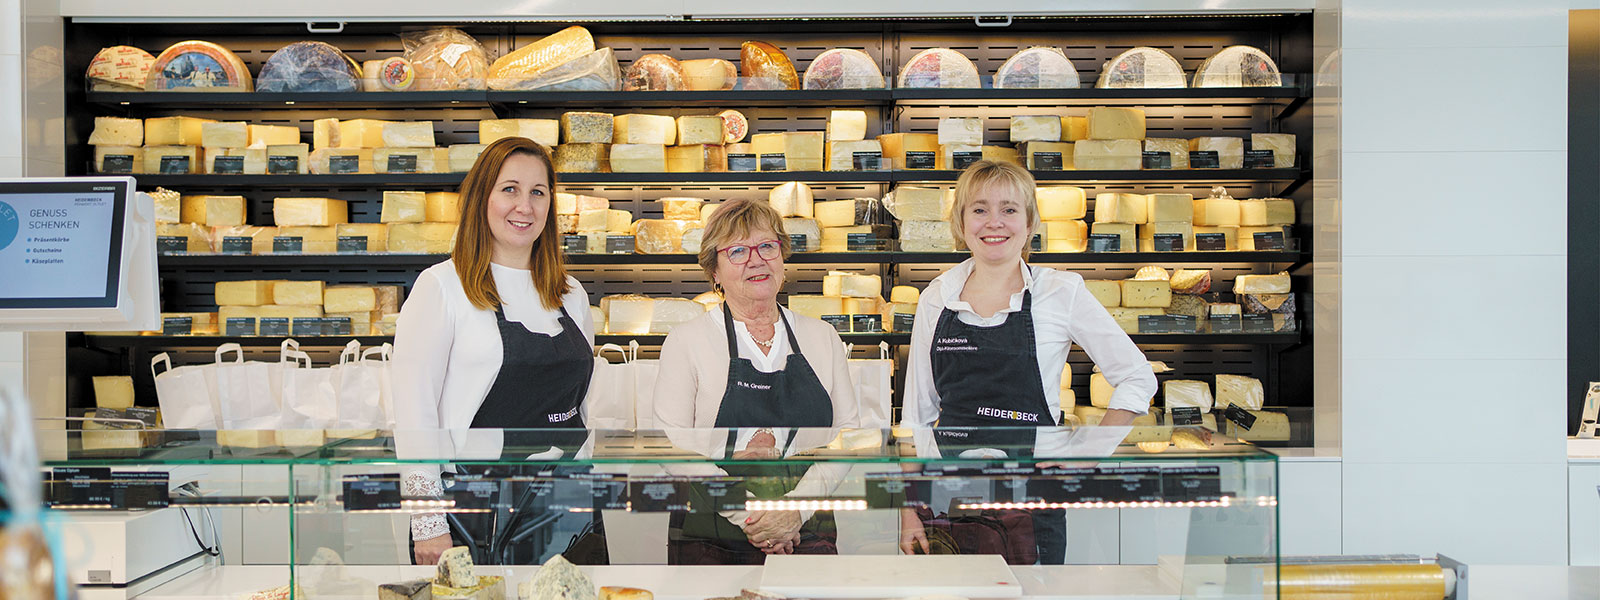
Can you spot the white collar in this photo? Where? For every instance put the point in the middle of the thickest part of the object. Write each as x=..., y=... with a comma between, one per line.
x=954, y=281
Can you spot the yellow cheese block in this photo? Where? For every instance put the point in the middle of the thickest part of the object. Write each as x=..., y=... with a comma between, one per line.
x=133, y=156
x=1216, y=212
x=1061, y=202
x=174, y=131
x=1107, y=155
x=443, y=207
x=1269, y=426
x=113, y=391
x=214, y=211
x=404, y=207
x=841, y=154
x=1247, y=235
x=1114, y=123
x=309, y=212
x=1266, y=211
x=816, y=306
x=1035, y=128
x=700, y=129
x=1148, y=232
x=424, y=238
x=184, y=159
x=1230, y=150
x=572, y=204
x=803, y=150
x=260, y=238
x=226, y=134
x=408, y=134
x=297, y=293
x=638, y=158
x=583, y=158
x=255, y=159
x=361, y=133
x=1128, y=233
x=545, y=132
x=659, y=236
x=681, y=209
x=961, y=131
x=1281, y=145
x=1065, y=230
x=586, y=128
x=1261, y=284
x=398, y=160
x=377, y=234
x=1128, y=318
x=1177, y=149
x=299, y=155
x=323, y=160
x=1146, y=294
x=948, y=152
x=349, y=298
x=644, y=129
x=793, y=199
x=1107, y=291
x=904, y=294
x=199, y=238
x=1039, y=155
x=463, y=156
x=1169, y=208
x=1074, y=129
x=320, y=239
x=1230, y=235
x=262, y=136
x=701, y=158
x=1245, y=392
x=243, y=293
x=896, y=145
x=1100, y=391
x=1114, y=207
x=117, y=131
x=324, y=134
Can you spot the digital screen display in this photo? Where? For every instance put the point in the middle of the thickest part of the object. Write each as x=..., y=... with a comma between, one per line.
x=60, y=243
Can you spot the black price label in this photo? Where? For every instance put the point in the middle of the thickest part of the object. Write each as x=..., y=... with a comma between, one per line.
x=1184, y=415
x=1036, y=244
x=372, y=492
x=307, y=326
x=336, y=326
x=238, y=244
x=1269, y=240
x=1105, y=242
x=658, y=495
x=863, y=242
x=177, y=325
x=774, y=162
x=116, y=163
x=904, y=321
x=1211, y=242
x=1260, y=159
x=962, y=160
x=604, y=491
x=275, y=326
x=344, y=164
x=288, y=243
x=1132, y=484
x=1257, y=323
x=402, y=163
x=575, y=244
x=866, y=323
x=352, y=243
x=1239, y=416
x=81, y=486
x=743, y=162
x=1070, y=485
x=1226, y=324
x=840, y=323
x=150, y=416
x=797, y=242
x=1204, y=159
x=867, y=161
x=174, y=165
x=1192, y=484
x=239, y=326
x=227, y=165
x=1167, y=242
x=1157, y=160
x=724, y=494
x=619, y=244
x=921, y=160
x=1168, y=324
x=1047, y=161
x=892, y=490
x=474, y=494
x=172, y=243
x=283, y=165
x=135, y=490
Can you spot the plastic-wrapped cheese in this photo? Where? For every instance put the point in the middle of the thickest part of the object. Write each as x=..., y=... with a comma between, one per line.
x=593, y=72
x=735, y=126
x=961, y=130
x=446, y=58
x=685, y=209
x=546, y=53
x=666, y=313
x=1245, y=392
x=842, y=155
x=1179, y=393
x=1238, y=66
x=169, y=205
x=660, y=236
x=792, y=199
x=846, y=213
x=1261, y=284
x=308, y=67
x=1037, y=67
x=1176, y=149
x=258, y=238
x=324, y=160
x=409, y=134
x=542, y=131
x=1230, y=150
x=1281, y=145
x=913, y=203
x=807, y=228
x=763, y=66
x=119, y=69
x=393, y=74
x=1142, y=68
x=843, y=69
x=939, y=68
x=692, y=239
x=851, y=285
x=194, y=65
x=409, y=160
x=709, y=74
x=926, y=236
x=654, y=73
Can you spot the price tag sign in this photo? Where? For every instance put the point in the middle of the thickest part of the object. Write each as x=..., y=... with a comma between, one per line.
x=1204, y=159
x=1105, y=242
x=1157, y=160
x=866, y=161
x=893, y=490
x=344, y=164
x=227, y=165
x=336, y=326
x=283, y=165
x=961, y=160
x=1167, y=242
x=797, y=241
x=904, y=321
x=238, y=326
x=1132, y=484
x=1226, y=324
x=1239, y=416
x=1168, y=324
x=1036, y=244
x=723, y=493
x=174, y=165
x=288, y=243
x=136, y=490
x=840, y=323
x=1210, y=242
x=1269, y=240
x=1047, y=161
x=774, y=162
x=1185, y=415
x=1071, y=485
x=81, y=486
x=352, y=243
x=1259, y=159
x=274, y=326
x=1192, y=484
x=658, y=494
x=307, y=326
x=743, y=162
x=116, y=164
x=177, y=325
x=372, y=492
x=575, y=244
x=167, y=244
x=402, y=163
x=921, y=160
x=863, y=242
x=237, y=244
x=474, y=493
x=1257, y=323
x=619, y=244
x=866, y=323
x=604, y=492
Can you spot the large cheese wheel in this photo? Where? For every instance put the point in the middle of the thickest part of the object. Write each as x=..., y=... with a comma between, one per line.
x=1142, y=68
x=447, y=58
x=843, y=69
x=939, y=68
x=1039, y=67
x=1238, y=66
x=308, y=67
x=654, y=73
x=119, y=69
x=593, y=72
x=763, y=66
x=194, y=65
x=533, y=59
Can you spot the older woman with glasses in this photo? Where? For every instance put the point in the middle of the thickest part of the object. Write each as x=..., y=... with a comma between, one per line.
x=759, y=370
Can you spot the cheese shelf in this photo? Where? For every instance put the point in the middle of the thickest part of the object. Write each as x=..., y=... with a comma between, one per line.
x=906, y=176
x=128, y=342
x=187, y=260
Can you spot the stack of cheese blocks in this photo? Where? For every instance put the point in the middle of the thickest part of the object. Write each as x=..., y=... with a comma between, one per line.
x=1043, y=138
x=315, y=221
x=1231, y=390
x=413, y=222
x=377, y=146
x=964, y=135
x=924, y=216
x=593, y=142
x=1061, y=211
x=851, y=294
x=202, y=220
x=671, y=233
x=1137, y=218
x=591, y=217
x=1147, y=427
x=371, y=309
x=847, y=137
x=1148, y=292
x=633, y=314
x=796, y=203
x=1268, y=295
x=190, y=145
x=113, y=397
x=1240, y=220
x=898, y=148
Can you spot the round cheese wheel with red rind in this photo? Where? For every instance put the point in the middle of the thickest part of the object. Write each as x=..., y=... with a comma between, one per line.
x=309, y=67
x=196, y=65
x=734, y=126
x=654, y=73
x=1035, y=68
x=1142, y=68
x=843, y=69
x=1238, y=66
x=119, y=68
x=939, y=68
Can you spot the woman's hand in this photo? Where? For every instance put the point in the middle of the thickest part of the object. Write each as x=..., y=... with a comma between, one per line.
x=428, y=550
x=771, y=529
x=911, y=532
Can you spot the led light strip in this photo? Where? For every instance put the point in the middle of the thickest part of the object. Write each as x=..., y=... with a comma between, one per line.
x=835, y=505
x=1224, y=502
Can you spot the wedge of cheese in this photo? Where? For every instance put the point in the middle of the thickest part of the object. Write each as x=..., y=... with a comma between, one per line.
x=545, y=132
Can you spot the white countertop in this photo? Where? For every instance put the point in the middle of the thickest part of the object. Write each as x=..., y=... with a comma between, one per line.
x=1585, y=450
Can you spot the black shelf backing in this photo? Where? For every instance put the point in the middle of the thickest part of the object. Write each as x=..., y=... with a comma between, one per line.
x=413, y=179
x=120, y=342
x=422, y=261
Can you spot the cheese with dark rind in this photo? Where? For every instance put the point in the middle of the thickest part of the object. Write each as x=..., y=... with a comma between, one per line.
x=308, y=67
x=763, y=66
x=1037, y=67
x=196, y=65
x=654, y=73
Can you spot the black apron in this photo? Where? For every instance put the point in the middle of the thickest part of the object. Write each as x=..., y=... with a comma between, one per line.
x=792, y=397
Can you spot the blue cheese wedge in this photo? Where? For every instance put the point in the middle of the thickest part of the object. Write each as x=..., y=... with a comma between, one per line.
x=489, y=587
x=455, y=569
x=559, y=580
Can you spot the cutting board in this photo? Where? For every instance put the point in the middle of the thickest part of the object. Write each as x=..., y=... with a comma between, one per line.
x=833, y=576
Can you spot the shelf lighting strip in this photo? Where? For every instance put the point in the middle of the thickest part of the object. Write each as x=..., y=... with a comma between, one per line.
x=834, y=505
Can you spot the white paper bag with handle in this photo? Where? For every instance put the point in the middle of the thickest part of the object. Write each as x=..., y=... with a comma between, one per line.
x=360, y=391
x=310, y=396
x=644, y=385
x=186, y=394
x=246, y=393
x=610, y=402
x=379, y=357
x=874, y=379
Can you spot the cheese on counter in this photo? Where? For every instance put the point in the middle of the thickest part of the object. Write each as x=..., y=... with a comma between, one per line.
x=1126, y=231
x=243, y=293
x=1216, y=212
x=896, y=145
x=638, y=158
x=377, y=234
x=804, y=227
x=262, y=136
x=700, y=158
x=1114, y=207
x=583, y=158
x=323, y=159
x=841, y=155
x=660, y=236
x=134, y=154
x=215, y=211
x=847, y=125
x=544, y=132
x=845, y=213
x=644, y=129
x=683, y=209
x=463, y=156
x=1178, y=393
x=1111, y=123
x=1128, y=318
x=1281, y=145
x=188, y=157
x=587, y=128
x=174, y=131
x=361, y=133
x=424, y=238
x=426, y=159
x=229, y=134
x=1107, y=155
x=309, y=211
x=117, y=131
x=1036, y=154
x=1261, y=284
x=1170, y=208
x=816, y=306
x=1035, y=128
x=1107, y=291
x=1266, y=211
x=1146, y=294
x=700, y=129
x=961, y=130
x=926, y=236
x=792, y=199
x=1245, y=392
x=1230, y=150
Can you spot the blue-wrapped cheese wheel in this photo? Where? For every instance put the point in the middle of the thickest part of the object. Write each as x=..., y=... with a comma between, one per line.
x=309, y=67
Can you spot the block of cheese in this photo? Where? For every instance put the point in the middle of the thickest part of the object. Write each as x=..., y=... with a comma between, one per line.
x=1281, y=145
x=1176, y=149
x=807, y=228
x=948, y=152
x=349, y=298
x=251, y=161
x=290, y=311
x=708, y=74
x=904, y=294
x=1224, y=309
x=593, y=220
x=1178, y=393
x=660, y=236
x=297, y=293
x=699, y=158
x=1230, y=150
x=227, y=134
x=544, y=132
x=638, y=158
x=262, y=136
x=847, y=125
x=361, y=133
x=313, y=239
x=416, y=589
x=1065, y=230
x=215, y=211
x=463, y=156
x=926, y=236
x=816, y=306
x=1146, y=294
x=388, y=298
x=890, y=309
x=1191, y=281
x=792, y=199
x=360, y=321
x=1245, y=392
x=619, y=221
x=837, y=239
x=1074, y=129
x=113, y=391
x=1170, y=208
x=861, y=306
x=572, y=204
x=168, y=204
x=1047, y=156
x=1128, y=233
x=174, y=131
x=1115, y=207
x=1100, y=391
x=896, y=145
x=841, y=155
x=683, y=209
x=288, y=159
x=180, y=160
x=1107, y=155
x=1189, y=305
x=845, y=213
x=851, y=285
x=692, y=239
x=117, y=131
x=243, y=293
x=644, y=129
x=422, y=238
x=309, y=211
x=259, y=238
x=1149, y=231
x=377, y=234
x=706, y=210
x=700, y=129
x=455, y=568
x=1061, y=202
x=1216, y=212
x=961, y=130
x=324, y=134
x=1269, y=426
x=1151, y=273
x=1035, y=128
x=131, y=156
x=1266, y=211
x=803, y=150
x=583, y=158
x=403, y=207
x=628, y=314
x=913, y=203
x=1230, y=235
x=666, y=313
x=399, y=160
x=1261, y=284
x=1128, y=318
x=1114, y=123
x=329, y=160
x=1107, y=291
x=1247, y=235
x=586, y=128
